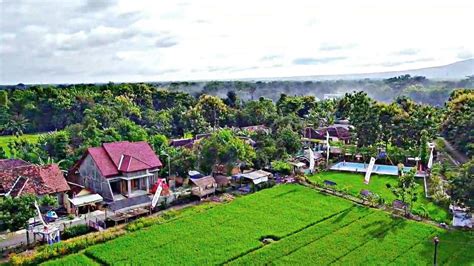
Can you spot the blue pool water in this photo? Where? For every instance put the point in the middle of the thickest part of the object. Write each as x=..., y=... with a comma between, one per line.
x=362, y=168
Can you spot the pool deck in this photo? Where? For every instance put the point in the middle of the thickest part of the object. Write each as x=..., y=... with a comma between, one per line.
x=350, y=168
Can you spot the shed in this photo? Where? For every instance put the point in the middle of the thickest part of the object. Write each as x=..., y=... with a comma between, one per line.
x=222, y=180
x=203, y=186
x=257, y=177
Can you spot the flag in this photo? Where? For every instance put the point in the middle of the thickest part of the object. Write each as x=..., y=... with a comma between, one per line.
x=311, y=159
x=157, y=193
x=327, y=144
x=369, y=170
x=430, y=161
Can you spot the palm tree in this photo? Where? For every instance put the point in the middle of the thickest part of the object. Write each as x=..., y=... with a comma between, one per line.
x=16, y=125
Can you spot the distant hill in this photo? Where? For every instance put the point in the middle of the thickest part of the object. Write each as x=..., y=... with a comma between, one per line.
x=455, y=71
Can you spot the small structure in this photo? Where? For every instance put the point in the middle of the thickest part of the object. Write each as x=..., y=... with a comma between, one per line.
x=462, y=219
x=299, y=167
x=256, y=177
x=203, y=186
x=18, y=177
x=222, y=181
x=329, y=183
x=85, y=199
x=256, y=128
x=184, y=142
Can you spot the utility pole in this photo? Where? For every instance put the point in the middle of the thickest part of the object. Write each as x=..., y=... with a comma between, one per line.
x=436, y=241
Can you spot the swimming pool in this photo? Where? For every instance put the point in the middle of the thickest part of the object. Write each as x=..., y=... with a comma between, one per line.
x=362, y=168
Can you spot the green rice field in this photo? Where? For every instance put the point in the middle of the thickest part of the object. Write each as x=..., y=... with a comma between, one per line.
x=354, y=183
x=4, y=140
x=307, y=227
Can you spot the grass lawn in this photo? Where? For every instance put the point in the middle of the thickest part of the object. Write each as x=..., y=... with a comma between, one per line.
x=308, y=228
x=354, y=183
x=4, y=140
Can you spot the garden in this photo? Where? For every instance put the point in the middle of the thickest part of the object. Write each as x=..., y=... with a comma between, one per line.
x=299, y=224
x=353, y=184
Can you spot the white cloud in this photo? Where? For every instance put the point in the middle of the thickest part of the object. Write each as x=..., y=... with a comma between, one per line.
x=212, y=39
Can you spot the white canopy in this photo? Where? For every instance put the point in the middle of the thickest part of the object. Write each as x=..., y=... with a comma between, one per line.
x=86, y=199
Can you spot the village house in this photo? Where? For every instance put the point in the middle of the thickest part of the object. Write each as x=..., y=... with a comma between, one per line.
x=203, y=186
x=18, y=177
x=336, y=133
x=121, y=172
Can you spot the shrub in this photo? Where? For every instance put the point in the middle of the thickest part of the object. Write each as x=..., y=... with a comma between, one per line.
x=281, y=167
x=76, y=230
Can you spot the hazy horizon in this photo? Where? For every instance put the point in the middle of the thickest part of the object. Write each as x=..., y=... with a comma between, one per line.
x=123, y=41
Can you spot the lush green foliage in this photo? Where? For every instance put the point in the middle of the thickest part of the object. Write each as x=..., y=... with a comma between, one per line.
x=462, y=185
x=15, y=212
x=48, y=200
x=223, y=147
x=75, y=230
x=281, y=167
x=459, y=122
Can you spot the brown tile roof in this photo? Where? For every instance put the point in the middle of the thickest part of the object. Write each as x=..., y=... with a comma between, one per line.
x=33, y=179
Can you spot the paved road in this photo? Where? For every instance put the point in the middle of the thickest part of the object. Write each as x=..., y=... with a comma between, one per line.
x=19, y=238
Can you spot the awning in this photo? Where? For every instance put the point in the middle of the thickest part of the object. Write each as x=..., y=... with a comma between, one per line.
x=86, y=199
x=298, y=164
x=257, y=177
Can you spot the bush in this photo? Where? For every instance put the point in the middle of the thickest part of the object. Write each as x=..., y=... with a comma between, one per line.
x=281, y=167
x=76, y=230
x=49, y=201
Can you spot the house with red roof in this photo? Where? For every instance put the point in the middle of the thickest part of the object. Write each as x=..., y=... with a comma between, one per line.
x=18, y=177
x=336, y=133
x=118, y=171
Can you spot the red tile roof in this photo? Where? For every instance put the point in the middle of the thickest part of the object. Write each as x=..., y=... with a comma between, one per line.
x=30, y=178
x=124, y=156
x=11, y=163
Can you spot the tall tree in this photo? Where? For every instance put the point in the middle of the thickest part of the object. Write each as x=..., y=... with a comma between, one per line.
x=406, y=189
x=212, y=109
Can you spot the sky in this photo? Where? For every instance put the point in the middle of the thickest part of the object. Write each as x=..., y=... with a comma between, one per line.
x=131, y=41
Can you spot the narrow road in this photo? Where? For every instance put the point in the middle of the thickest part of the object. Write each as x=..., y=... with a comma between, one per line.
x=456, y=156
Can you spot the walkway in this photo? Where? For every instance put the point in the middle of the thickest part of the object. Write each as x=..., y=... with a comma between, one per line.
x=18, y=238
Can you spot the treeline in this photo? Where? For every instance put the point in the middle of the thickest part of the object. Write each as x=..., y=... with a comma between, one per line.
x=418, y=88
x=82, y=116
